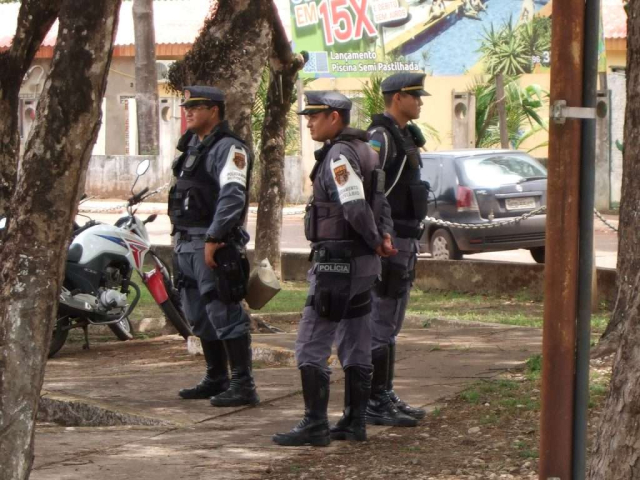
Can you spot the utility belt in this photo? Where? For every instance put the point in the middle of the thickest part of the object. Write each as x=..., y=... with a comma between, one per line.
x=333, y=282
x=395, y=280
x=406, y=231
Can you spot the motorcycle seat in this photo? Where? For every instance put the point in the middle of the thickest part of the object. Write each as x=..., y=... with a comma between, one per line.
x=75, y=253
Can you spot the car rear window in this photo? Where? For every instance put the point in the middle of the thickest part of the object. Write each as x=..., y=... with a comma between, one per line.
x=501, y=170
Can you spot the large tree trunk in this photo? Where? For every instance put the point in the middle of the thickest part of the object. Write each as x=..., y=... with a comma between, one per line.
x=617, y=447
x=34, y=21
x=42, y=205
x=282, y=80
x=230, y=53
x=146, y=78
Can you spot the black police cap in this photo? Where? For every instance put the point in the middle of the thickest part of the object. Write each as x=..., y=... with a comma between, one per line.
x=322, y=101
x=200, y=95
x=412, y=83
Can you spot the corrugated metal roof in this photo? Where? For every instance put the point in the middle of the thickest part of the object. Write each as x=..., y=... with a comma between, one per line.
x=614, y=19
x=176, y=21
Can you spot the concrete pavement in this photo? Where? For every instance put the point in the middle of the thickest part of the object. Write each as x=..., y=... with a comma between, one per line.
x=172, y=438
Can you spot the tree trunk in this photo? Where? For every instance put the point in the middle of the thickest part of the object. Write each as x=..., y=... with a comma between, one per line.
x=617, y=446
x=34, y=21
x=230, y=53
x=43, y=204
x=282, y=80
x=146, y=78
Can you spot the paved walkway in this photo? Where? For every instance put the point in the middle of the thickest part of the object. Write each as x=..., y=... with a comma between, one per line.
x=136, y=382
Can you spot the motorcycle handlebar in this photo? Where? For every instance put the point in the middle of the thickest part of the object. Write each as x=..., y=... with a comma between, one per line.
x=138, y=196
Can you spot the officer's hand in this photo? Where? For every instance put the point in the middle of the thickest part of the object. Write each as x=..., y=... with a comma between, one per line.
x=209, y=252
x=386, y=248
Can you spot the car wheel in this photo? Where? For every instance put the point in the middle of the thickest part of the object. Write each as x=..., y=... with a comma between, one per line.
x=443, y=246
x=538, y=254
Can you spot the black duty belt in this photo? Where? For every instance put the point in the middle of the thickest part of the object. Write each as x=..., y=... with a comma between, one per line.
x=404, y=231
x=338, y=252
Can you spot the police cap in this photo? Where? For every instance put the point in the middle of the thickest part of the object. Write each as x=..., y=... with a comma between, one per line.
x=324, y=101
x=200, y=95
x=411, y=83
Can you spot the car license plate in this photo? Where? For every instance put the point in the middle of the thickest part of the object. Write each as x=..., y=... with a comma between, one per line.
x=521, y=203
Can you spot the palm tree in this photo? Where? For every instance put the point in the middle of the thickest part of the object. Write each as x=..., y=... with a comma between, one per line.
x=522, y=106
x=505, y=51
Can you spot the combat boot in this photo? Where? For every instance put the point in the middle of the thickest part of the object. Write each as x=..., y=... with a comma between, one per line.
x=216, y=380
x=417, y=413
x=242, y=390
x=313, y=429
x=380, y=409
x=357, y=389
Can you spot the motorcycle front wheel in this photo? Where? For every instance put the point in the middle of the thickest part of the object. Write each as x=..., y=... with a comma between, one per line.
x=123, y=329
x=172, y=307
x=60, y=334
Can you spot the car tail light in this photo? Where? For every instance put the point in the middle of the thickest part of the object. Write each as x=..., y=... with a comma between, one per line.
x=466, y=200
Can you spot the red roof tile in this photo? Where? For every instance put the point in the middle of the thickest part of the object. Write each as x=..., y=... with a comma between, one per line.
x=614, y=19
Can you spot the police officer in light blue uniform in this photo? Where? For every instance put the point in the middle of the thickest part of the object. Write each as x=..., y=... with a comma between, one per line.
x=348, y=222
x=207, y=206
x=397, y=142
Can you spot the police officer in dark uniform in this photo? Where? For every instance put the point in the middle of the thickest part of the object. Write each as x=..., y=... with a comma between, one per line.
x=348, y=222
x=397, y=142
x=207, y=206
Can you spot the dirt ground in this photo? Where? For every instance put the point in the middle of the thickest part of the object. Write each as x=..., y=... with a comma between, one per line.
x=489, y=431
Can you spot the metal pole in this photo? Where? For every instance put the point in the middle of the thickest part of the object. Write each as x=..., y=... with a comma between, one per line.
x=586, y=260
x=561, y=271
x=502, y=113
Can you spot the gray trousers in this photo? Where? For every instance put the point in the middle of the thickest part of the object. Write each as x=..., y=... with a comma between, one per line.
x=387, y=314
x=210, y=319
x=317, y=334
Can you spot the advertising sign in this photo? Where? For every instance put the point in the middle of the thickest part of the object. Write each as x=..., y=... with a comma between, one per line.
x=359, y=38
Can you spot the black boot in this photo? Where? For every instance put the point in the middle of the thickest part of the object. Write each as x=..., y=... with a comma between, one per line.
x=380, y=409
x=357, y=389
x=416, y=413
x=242, y=390
x=314, y=427
x=216, y=380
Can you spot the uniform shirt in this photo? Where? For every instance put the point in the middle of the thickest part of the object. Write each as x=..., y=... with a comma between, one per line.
x=222, y=163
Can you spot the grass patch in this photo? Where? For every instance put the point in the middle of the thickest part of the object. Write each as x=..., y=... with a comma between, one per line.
x=519, y=308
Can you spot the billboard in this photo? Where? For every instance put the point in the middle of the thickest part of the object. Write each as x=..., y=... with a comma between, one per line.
x=359, y=38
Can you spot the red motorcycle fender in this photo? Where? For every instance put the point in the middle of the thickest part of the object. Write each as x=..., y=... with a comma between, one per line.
x=155, y=284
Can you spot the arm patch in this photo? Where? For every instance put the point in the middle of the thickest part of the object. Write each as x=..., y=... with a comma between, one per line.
x=347, y=181
x=235, y=167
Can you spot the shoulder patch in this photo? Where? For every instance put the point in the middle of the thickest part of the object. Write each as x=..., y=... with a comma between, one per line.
x=375, y=145
x=235, y=167
x=347, y=181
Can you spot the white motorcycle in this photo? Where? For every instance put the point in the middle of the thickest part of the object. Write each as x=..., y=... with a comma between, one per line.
x=100, y=262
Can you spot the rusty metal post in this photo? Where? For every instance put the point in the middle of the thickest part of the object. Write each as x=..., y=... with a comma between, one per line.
x=561, y=271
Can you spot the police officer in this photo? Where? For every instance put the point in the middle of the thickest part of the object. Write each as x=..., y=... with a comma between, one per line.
x=207, y=206
x=397, y=142
x=348, y=222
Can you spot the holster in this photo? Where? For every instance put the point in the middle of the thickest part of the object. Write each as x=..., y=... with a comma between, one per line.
x=232, y=273
x=395, y=280
x=333, y=285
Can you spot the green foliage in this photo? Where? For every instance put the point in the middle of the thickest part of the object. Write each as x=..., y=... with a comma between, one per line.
x=522, y=107
x=509, y=49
